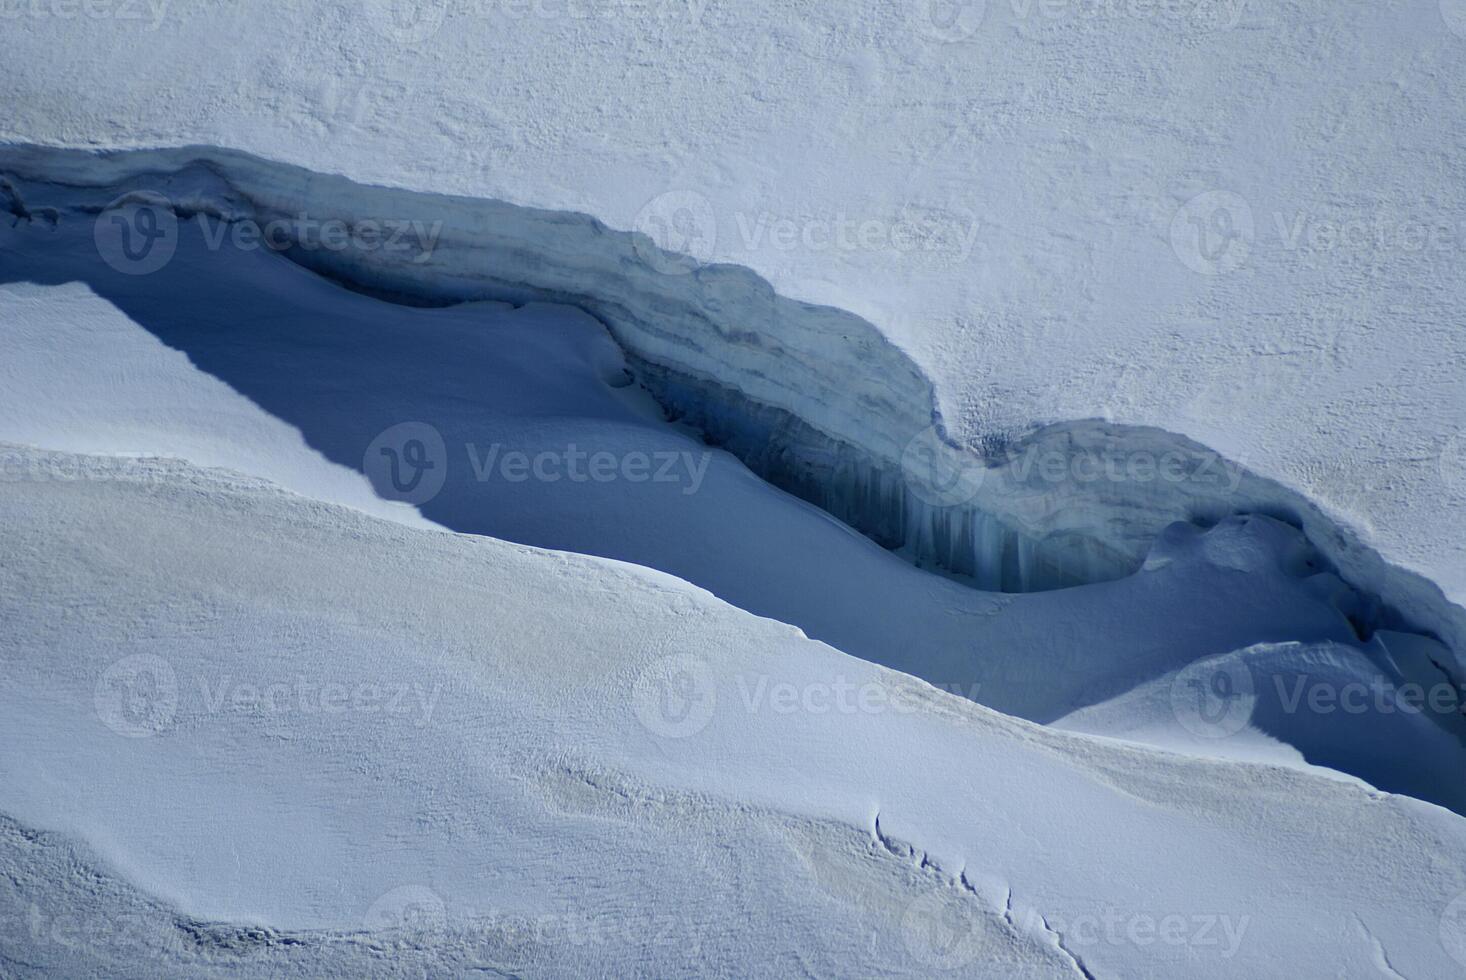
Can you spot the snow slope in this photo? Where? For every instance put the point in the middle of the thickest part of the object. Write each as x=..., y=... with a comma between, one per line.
x=290, y=700
x=236, y=357
x=228, y=778
x=813, y=398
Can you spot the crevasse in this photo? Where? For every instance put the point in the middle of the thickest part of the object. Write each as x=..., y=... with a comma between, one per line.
x=814, y=399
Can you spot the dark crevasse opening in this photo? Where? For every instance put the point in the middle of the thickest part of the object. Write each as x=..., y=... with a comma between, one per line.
x=813, y=399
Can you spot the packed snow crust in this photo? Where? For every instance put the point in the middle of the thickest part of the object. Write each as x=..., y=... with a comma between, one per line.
x=1135, y=320
x=237, y=357
x=234, y=356
x=508, y=814
x=1033, y=175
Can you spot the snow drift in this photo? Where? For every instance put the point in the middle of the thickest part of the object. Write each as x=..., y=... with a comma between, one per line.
x=179, y=791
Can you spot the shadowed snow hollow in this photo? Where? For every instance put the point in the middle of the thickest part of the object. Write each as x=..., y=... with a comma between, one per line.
x=814, y=399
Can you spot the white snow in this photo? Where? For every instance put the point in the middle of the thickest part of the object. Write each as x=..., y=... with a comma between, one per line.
x=1044, y=152
x=309, y=385
x=812, y=398
x=241, y=755
x=350, y=628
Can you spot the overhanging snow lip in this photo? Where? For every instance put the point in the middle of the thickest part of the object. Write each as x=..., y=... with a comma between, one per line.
x=576, y=258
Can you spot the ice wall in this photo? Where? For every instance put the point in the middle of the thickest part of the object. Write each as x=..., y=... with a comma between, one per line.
x=813, y=398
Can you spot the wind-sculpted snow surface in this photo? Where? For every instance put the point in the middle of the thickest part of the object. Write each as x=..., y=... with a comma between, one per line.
x=769, y=488
x=813, y=398
x=520, y=424
x=480, y=756
x=1238, y=221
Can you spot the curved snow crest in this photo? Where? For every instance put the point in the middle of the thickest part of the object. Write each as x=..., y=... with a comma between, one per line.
x=815, y=399
x=853, y=824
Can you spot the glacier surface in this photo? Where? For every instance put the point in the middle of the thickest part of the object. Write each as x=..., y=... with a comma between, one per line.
x=761, y=489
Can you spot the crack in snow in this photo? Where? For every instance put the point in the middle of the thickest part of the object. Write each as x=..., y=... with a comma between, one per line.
x=816, y=400
x=908, y=852
x=1381, y=957
x=1074, y=959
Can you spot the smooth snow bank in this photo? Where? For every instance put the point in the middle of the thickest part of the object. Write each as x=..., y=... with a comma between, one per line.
x=813, y=398
x=1357, y=711
x=225, y=757
x=235, y=357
